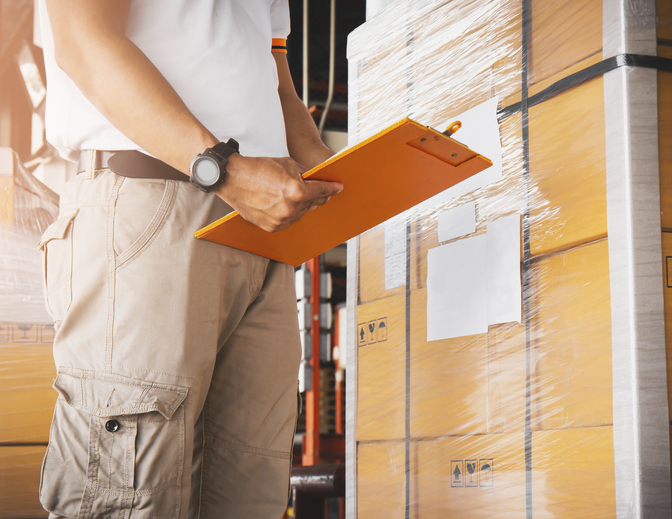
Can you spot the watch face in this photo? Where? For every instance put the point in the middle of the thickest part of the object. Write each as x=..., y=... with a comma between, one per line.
x=206, y=171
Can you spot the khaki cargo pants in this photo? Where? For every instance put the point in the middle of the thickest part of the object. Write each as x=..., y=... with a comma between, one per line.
x=177, y=359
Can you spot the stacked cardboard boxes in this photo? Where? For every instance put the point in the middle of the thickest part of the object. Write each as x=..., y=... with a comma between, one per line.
x=523, y=420
x=26, y=337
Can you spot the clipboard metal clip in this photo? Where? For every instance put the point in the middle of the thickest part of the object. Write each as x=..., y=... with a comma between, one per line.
x=452, y=128
x=438, y=145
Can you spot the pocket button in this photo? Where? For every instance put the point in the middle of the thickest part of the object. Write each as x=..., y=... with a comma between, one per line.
x=112, y=426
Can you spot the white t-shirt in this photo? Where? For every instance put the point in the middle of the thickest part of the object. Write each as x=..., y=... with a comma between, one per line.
x=216, y=54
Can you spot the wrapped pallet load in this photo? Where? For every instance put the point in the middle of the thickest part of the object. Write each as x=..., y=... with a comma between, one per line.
x=507, y=352
x=27, y=368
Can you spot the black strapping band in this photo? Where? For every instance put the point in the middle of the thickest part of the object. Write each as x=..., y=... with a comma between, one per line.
x=526, y=12
x=588, y=73
x=407, y=406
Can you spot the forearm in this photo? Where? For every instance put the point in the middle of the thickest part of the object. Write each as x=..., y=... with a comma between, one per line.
x=303, y=140
x=128, y=90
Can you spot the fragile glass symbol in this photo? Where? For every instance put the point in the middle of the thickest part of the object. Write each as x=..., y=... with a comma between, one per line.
x=25, y=328
x=471, y=468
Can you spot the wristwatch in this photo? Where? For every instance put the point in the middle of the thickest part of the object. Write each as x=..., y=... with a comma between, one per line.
x=208, y=169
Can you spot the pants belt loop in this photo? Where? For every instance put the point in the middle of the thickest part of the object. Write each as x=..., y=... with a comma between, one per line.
x=90, y=164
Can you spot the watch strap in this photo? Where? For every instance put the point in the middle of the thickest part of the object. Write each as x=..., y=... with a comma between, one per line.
x=225, y=149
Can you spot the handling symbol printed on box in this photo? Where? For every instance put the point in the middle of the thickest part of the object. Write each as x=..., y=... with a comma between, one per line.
x=457, y=473
x=371, y=332
x=381, y=329
x=361, y=334
x=486, y=469
x=26, y=333
x=471, y=477
x=47, y=333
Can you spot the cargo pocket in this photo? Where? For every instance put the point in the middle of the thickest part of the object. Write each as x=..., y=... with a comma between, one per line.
x=56, y=247
x=116, y=445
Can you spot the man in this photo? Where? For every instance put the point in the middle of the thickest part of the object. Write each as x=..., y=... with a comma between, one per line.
x=177, y=358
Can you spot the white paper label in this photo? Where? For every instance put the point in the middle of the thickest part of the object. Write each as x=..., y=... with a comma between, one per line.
x=475, y=282
x=395, y=252
x=456, y=289
x=503, y=270
x=457, y=222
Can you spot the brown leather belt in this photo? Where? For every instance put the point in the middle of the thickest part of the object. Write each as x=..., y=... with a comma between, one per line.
x=129, y=163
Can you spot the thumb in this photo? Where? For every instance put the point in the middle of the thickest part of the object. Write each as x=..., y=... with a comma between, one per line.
x=322, y=188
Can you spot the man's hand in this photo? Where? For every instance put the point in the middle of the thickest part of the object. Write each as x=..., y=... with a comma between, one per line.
x=270, y=192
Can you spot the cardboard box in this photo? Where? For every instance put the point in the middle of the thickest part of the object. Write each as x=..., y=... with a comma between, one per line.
x=567, y=169
x=664, y=12
x=412, y=55
x=571, y=314
x=563, y=33
x=667, y=295
x=454, y=37
x=507, y=379
x=573, y=473
x=392, y=104
x=449, y=380
x=20, y=481
x=466, y=385
x=471, y=477
x=373, y=263
x=381, y=472
x=26, y=375
x=381, y=406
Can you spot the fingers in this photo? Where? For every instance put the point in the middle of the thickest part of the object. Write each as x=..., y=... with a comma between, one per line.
x=271, y=194
x=320, y=201
x=314, y=192
x=322, y=188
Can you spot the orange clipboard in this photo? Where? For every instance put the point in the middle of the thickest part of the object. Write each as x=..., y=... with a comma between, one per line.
x=396, y=169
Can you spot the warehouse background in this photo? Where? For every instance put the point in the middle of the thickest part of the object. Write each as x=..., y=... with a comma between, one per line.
x=559, y=411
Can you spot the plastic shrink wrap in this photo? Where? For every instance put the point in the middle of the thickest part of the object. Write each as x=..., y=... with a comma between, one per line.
x=27, y=370
x=507, y=340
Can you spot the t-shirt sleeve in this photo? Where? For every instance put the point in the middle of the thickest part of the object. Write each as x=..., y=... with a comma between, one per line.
x=280, y=19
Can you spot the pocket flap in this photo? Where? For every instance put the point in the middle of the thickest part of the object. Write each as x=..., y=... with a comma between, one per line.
x=104, y=394
x=57, y=230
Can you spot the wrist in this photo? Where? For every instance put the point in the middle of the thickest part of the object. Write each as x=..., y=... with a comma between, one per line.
x=314, y=155
x=235, y=173
x=209, y=169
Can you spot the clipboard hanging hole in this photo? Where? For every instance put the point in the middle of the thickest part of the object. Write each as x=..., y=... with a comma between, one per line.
x=452, y=128
x=423, y=139
x=454, y=155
